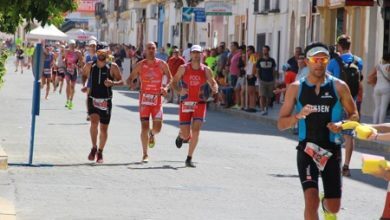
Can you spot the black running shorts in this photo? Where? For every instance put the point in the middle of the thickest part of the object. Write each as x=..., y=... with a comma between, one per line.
x=331, y=176
x=104, y=115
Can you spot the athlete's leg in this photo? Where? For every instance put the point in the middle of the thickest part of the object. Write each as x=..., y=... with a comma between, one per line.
x=103, y=136
x=185, y=131
x=72, y=90
x=145, y=127
x=47, y=87
x=68, y=89
x=94, y=128
x=349, y=146
x=312, y=203
x=157, y=125
x=195, y=130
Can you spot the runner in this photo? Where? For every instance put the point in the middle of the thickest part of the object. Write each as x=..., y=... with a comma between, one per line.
x=319, y=100
x=19, y=58
x=151, y=72
x=193, y=78
x=54, y=74
x=47, y=70
x=60, y=65
x=102, y=76
x=73, y=59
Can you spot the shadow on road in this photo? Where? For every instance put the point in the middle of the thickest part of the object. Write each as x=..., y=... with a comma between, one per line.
x=167, y=110
x=90, y=164
x=356, y=174
x=165, y=167
x=284, y=175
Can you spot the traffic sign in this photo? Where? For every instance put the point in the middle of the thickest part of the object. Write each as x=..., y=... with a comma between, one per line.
x=198, y=13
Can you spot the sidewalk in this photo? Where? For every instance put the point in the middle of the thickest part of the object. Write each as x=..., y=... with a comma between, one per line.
x=272, y=118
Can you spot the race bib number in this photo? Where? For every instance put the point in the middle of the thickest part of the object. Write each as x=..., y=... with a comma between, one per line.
x=149, y=99
x=101, y=104
x=47, y=71
x=188, y=107
x=320, y=156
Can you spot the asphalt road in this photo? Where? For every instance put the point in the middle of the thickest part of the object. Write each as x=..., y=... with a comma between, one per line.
x=245, y=170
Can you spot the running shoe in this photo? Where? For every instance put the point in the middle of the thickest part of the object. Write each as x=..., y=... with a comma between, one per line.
x=67, y=104
x=189, y=163
x=145, y=159
x=236, y=107
x=179, y=141
x=92, y=154
x=70, y=106
x=327, y=215
x=99, y=158
x=151, y=140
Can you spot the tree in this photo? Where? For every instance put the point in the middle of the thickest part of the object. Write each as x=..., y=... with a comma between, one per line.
x=12, y=12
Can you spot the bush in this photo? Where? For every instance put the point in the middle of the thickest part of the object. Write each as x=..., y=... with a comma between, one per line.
x=4, y=54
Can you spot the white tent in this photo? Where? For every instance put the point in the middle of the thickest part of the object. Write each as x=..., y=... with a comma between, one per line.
x=49, y=32
x=79, y=34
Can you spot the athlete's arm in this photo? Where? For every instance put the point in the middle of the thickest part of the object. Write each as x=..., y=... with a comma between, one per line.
x=211, y=81
x=86, y=71
x=116, y=74
x=80, y=58
x=286, y=117
x=133, y=75
x=168, y=74
x=176, y=80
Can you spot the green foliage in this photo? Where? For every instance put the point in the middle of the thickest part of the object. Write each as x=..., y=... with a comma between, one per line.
x=4, y=54
x=12, y=12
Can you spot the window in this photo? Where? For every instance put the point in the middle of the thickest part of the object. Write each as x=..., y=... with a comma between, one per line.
x=302, y=31
x=276, y=4
x=267, y=5
x=256, y=6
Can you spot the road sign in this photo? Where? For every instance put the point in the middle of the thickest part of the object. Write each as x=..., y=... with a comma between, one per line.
x=218, y=8
x=198, y=13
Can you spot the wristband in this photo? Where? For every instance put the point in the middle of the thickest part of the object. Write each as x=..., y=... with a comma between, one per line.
x=299, y=118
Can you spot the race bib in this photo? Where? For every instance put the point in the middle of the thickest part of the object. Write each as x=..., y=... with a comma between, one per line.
x=188, y=107
x=61, y=70
x=101, y=104
x=70, y=70
x=47, y=71
x=149, y=99
x=320, y=156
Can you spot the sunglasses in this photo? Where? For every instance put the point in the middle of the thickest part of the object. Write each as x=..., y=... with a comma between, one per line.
x=322, y=60
x=101, y=52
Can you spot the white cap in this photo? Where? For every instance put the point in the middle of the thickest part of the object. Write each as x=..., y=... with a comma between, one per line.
x=196, y=48
x=317, y=50
x=71, y=41
x=92, y=42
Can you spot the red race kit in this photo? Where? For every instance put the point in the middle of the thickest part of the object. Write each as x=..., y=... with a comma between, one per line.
x=193, y=104
x=150, y=100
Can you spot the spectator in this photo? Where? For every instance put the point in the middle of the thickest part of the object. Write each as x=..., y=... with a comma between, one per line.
x=187, y=53
x=169, y=50
x=174, y=63
x=303, y=69
x=336, y=67
x=211, y=61
x=222, y=59
x=162, y=55
x=251, y=78
x=225, y=97
x=234, y=72
x=266, y=70
x=293, y=61
x=381, y=89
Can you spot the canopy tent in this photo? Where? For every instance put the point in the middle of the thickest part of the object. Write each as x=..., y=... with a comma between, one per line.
x=79, y=34
x=48, y=32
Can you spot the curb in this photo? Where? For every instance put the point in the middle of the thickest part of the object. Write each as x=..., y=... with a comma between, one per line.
x=3, y=159
x=380, y=147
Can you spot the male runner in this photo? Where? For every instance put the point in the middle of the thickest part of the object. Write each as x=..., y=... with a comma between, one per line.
x=151, y=72
x=319, y=100
x=60, y=65
x=193, y=78
x=73, y=59
x=102, y=76
x=47, y=70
